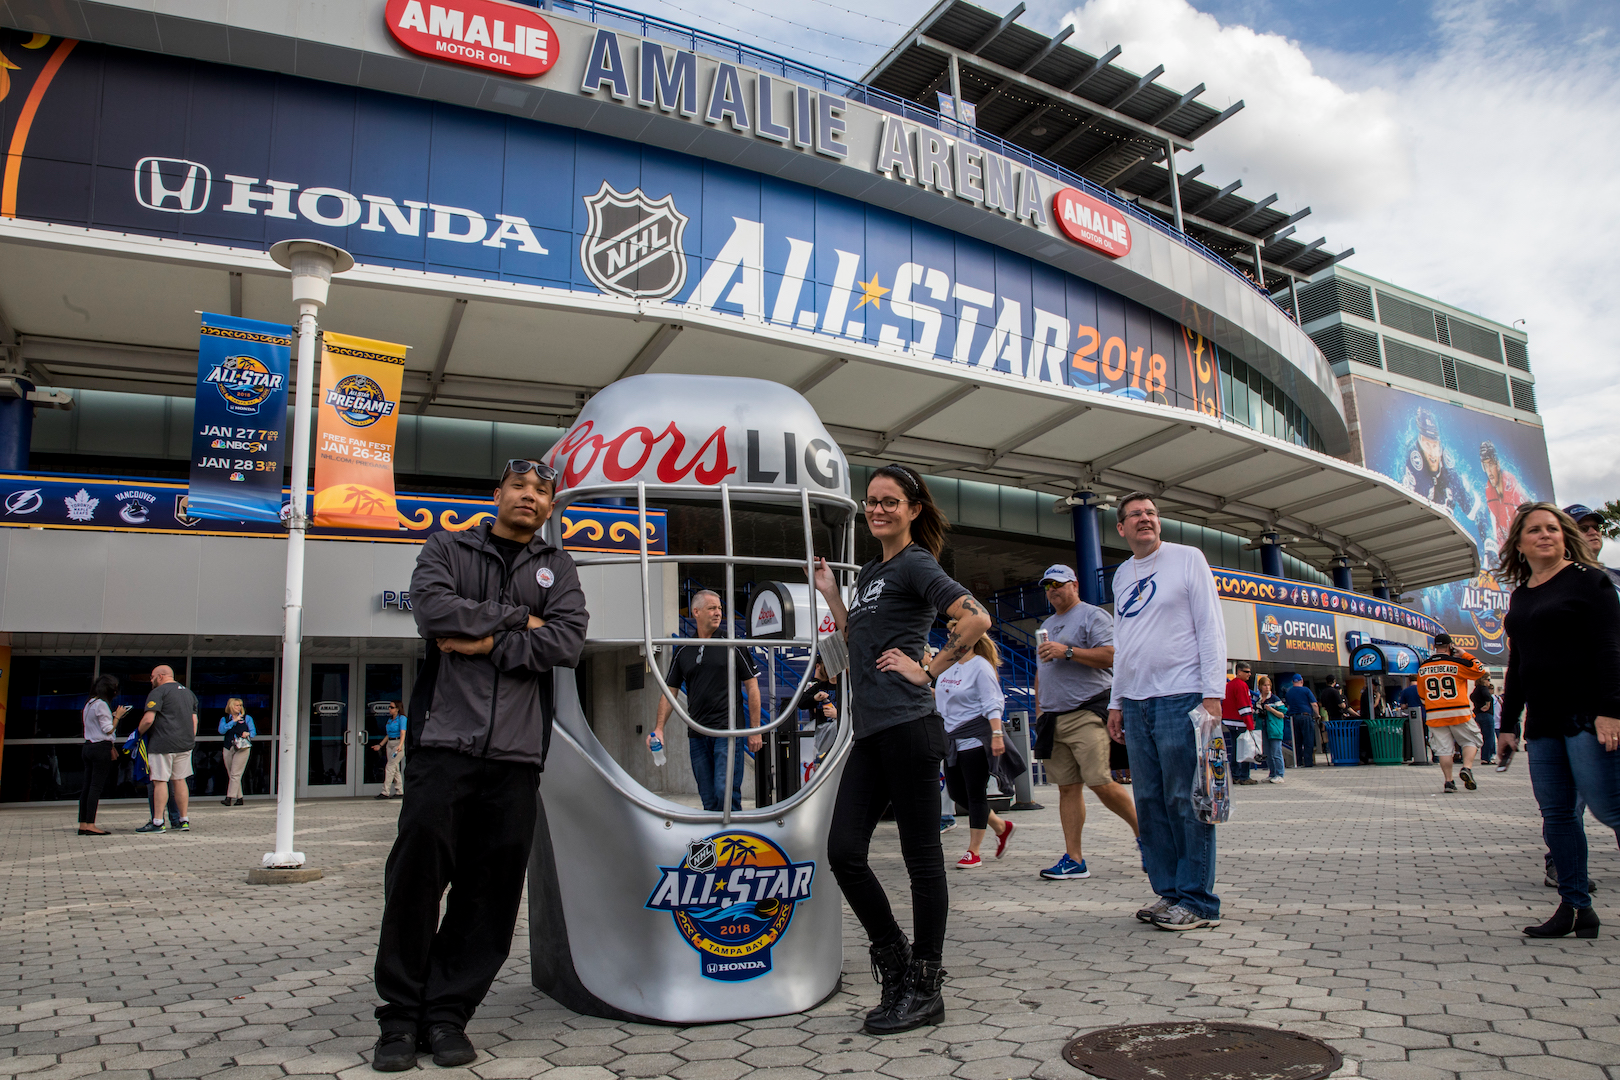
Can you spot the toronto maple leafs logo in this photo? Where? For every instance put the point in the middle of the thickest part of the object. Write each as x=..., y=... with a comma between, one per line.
x=632, y=244
x=81, y=507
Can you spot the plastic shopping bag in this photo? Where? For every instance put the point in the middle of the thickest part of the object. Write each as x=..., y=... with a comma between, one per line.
x=1211, y=786
x=1249, y=747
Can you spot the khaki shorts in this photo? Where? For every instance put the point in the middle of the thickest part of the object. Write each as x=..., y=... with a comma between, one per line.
x=1446, y=740
x=1079, y=750
x=169, y=766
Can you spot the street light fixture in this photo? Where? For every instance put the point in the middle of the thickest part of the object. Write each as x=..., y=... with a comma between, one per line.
x=312, y=264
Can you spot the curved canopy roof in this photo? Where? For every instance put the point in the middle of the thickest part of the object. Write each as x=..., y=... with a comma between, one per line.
x=500, y=351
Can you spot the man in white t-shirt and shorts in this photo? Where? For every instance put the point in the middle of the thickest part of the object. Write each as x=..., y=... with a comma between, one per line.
x=1071, y=693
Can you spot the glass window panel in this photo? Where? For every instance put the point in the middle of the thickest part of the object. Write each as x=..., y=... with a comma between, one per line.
x=217, y=679
x=46, y=697
x=384, y=683
x=328, y=724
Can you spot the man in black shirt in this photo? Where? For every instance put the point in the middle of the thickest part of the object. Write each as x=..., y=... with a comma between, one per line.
x=1333, y=700
x=701, y=672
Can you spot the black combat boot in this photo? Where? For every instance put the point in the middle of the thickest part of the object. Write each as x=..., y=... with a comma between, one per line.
x=889, y=968
x=920, y=1004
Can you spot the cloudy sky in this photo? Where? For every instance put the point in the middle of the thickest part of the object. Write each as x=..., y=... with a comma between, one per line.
x=1464, y=148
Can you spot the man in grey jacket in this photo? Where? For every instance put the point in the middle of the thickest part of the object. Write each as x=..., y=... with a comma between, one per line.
x=500, y=608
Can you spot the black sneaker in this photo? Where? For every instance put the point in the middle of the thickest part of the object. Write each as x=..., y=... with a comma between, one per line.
x=153, y=826
x=1450, y=788
x=395, y=1052
x=184, y=824
x=450, y=1046
x=380, y=795
x=1468, y=779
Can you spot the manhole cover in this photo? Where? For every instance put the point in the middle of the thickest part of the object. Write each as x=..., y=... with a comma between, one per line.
x=1197, y=1050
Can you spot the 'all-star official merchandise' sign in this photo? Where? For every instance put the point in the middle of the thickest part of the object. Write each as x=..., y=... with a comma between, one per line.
x=356, y=422
x=516, y=199
x=1259, y=589
x=239, y=422
x=116, y=504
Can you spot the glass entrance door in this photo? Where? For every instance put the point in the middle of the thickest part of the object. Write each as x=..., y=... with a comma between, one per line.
x=329, y=737
x=385, y=686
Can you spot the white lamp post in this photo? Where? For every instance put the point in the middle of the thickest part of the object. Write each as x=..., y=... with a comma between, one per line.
x=312, y=264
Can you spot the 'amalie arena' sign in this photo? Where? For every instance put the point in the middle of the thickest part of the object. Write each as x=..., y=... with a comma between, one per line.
x=245, y=158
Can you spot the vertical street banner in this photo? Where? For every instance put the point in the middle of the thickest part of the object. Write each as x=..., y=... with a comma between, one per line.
x=240, y=421
x=354, y=432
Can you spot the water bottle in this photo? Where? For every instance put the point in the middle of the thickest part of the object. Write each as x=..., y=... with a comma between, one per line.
x=657, y=747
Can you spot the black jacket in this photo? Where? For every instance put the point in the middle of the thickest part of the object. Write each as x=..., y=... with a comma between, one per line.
x=496, y=706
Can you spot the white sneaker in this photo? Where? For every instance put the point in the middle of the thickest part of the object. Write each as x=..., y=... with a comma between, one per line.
x=1274, y=779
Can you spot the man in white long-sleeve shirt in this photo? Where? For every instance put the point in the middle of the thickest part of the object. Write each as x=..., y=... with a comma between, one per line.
x=1169, y=658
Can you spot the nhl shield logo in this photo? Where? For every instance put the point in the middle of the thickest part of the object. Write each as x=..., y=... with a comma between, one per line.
x=632, y=246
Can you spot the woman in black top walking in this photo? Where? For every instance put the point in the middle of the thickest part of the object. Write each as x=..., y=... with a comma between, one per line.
x=899, y=737
x=1563, y=628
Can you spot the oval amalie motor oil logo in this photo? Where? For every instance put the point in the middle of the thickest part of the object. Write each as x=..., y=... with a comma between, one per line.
x=1092, y=222
x=478, y=33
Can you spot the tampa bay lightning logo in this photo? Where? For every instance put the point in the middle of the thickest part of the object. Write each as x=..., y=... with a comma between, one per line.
x=1141, y=595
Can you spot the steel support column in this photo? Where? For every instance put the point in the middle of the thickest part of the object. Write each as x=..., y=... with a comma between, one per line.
x=1088, y=547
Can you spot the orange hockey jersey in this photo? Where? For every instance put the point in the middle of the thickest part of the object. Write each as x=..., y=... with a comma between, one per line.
x=1443, y=681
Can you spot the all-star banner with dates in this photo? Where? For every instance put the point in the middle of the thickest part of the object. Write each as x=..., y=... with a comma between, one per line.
x=354, y=436
x=240, y=420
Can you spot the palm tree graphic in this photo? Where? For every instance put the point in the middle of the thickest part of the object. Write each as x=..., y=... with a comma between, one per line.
x=363, y=500
x=737, y=849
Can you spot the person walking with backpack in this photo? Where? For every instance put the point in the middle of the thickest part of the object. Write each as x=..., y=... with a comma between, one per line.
x=899, y=737
x=500, y=608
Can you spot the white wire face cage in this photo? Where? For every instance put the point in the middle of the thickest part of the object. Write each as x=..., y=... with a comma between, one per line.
x=699, y=438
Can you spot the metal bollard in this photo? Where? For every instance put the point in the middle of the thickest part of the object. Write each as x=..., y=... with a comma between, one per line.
x=1017, y=725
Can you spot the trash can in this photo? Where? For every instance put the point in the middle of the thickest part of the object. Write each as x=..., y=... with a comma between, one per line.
x=1344, y=741
x=1388, y=739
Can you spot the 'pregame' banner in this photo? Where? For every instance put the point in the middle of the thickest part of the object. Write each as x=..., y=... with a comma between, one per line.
x=356, y=423
x=240, y=419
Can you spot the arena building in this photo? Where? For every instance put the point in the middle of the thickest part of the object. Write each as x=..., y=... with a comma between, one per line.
x=1037, y=309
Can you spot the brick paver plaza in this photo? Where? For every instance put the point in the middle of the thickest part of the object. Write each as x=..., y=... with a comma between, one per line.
x=1360, y=907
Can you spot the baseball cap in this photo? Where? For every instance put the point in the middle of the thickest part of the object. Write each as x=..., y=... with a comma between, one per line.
x=1442, y=639
x=1580, y=512
x=1060, y=573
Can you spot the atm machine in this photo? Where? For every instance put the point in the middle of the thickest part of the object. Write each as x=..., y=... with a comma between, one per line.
x=641, y=908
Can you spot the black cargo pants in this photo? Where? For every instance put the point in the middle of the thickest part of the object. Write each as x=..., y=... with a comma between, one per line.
x=466, y=824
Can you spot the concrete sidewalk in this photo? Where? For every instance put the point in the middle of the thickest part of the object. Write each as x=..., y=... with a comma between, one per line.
x=1361, y=907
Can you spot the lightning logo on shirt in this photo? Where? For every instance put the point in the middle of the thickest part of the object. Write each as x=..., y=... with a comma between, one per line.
x=1141, y=595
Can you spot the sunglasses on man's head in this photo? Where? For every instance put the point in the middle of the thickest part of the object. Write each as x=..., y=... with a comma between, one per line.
x=519, y=466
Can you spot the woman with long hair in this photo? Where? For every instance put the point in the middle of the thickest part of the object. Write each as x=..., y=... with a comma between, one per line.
x=100, y=749
x=968, y=697
x=1273, y=722
x=1563, y=629
x=899, y=737
x=237, y=728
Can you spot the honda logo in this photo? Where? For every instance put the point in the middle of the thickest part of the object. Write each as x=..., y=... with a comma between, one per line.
x=172, y=185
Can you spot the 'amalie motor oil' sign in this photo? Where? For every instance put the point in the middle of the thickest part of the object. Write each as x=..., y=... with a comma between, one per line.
x=478, y=33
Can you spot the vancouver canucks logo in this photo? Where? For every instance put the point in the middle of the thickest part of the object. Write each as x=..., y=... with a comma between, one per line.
x=244, y=382
x=1271, y=630
x=359, y=400
x=732, y=898
x=632, y=244
x=1140, y=596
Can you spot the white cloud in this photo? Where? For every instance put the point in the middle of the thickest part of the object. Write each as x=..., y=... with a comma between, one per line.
x=1317, y=141
x=1480, y=174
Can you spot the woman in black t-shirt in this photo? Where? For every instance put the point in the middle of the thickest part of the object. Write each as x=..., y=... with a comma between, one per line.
x=899, y=738
x=1563, y=628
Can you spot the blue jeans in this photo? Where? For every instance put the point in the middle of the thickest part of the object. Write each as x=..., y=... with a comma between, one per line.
x=1178, y=849
x=1274, y=758
x=1240, y=769
x=1562, y=772
x=709, y=767
x=1487, y=733
x=1304, y=741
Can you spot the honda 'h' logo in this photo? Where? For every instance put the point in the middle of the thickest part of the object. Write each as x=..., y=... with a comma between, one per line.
x=172, y=185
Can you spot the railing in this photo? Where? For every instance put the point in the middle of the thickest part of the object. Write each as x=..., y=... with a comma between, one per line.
x=721, y=48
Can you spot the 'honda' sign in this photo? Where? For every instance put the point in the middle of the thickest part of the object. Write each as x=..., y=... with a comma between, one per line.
x=479, y=33
x=1092, y=222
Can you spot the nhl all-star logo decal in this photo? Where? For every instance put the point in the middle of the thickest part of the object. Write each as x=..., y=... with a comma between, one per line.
x=632, y=244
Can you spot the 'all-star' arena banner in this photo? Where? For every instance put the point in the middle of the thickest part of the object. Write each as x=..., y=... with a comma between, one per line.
x=356, y=421
x=133, y=142
x=240, y=419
